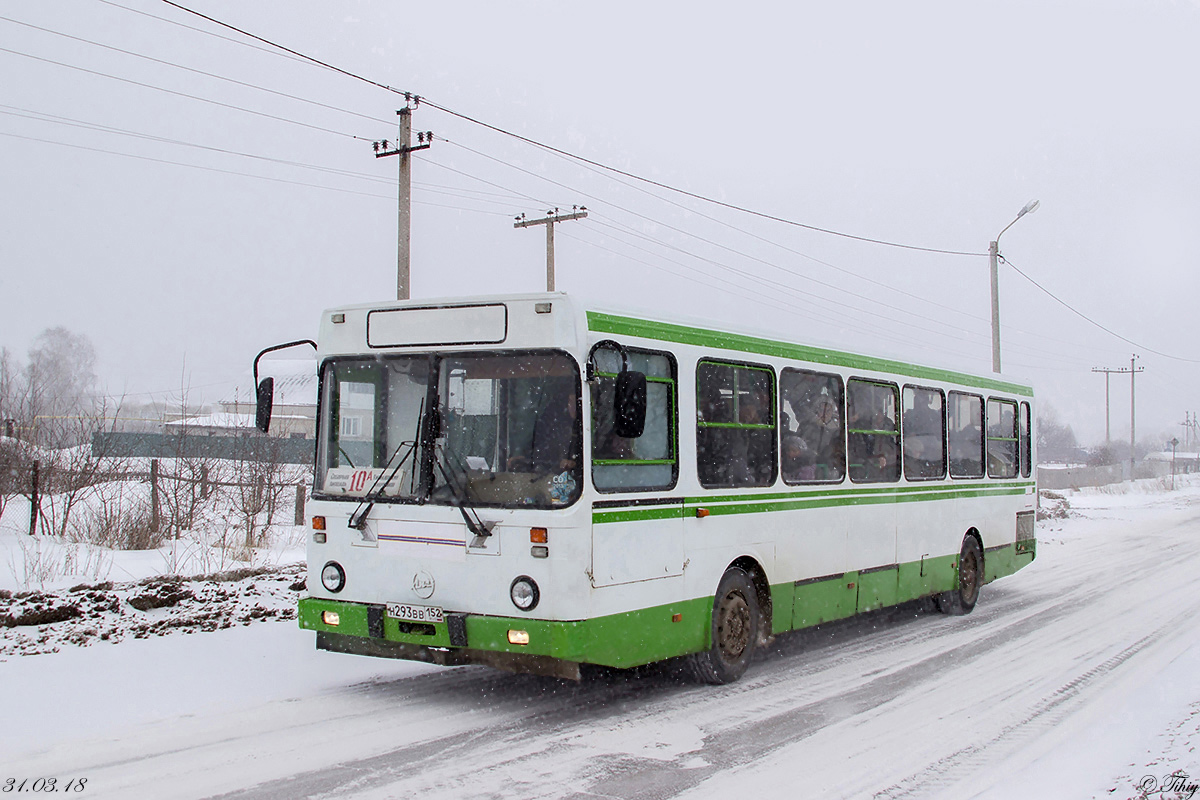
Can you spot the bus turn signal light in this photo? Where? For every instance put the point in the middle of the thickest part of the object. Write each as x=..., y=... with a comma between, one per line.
x=702, y=512
x=538, y=535
x=318, y=523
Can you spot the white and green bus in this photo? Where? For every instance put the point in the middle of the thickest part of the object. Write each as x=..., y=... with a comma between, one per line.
x=524, y=482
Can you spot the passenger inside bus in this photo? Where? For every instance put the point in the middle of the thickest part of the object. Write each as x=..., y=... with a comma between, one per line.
x=555, y=445
x=874, y=438
x=923, y=453
x=817, y=452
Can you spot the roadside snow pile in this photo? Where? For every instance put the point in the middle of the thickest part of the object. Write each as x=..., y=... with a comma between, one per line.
x=34, y=622
x=1052, y=505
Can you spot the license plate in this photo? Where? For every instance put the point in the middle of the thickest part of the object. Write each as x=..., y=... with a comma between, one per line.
x=415, y=613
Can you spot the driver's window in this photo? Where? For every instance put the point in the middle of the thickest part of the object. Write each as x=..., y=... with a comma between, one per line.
x=648, y=461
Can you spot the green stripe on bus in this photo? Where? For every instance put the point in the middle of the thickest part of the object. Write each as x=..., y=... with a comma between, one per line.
x=683, y=334
x=837, y=489
x=639, y=514
x=758, y=504
x=646, y=635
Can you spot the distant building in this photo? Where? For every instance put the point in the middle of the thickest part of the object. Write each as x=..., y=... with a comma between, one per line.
x=225, y=423
x=294, y=413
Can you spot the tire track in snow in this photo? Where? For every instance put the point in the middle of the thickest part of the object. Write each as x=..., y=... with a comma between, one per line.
x=532, y=736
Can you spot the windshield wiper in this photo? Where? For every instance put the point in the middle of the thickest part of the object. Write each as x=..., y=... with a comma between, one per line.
x=358, y=519
x=475, y=525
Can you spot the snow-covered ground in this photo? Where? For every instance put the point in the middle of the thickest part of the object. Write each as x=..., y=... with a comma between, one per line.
x=1077, y=677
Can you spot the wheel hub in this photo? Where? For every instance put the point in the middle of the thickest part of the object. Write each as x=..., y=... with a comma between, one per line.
x=733, y=626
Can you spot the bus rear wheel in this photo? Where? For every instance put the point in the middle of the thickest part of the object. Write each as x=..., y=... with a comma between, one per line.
x=970, y=578
x=736, y=619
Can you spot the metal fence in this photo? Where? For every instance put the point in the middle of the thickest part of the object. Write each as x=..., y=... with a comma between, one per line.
x=116, y=444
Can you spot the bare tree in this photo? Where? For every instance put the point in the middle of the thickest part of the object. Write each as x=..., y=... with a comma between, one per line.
x=60, y=384
x=188, y=489
x=259, y=486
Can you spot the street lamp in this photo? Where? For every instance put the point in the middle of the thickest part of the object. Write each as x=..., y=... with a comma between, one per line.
x=994, y=257
x=1174, y=443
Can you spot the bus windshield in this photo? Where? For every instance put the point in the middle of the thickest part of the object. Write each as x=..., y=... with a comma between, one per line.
x=505, y=429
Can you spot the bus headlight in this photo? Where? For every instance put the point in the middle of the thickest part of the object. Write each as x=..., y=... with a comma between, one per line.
x=524, y=593
x=333, y=577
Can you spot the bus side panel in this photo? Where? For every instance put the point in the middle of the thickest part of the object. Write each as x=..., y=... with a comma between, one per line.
x=637, y=544
x=929, y=575
x=929, y=536
x=820, y=600
x=648, y=635
x=877, y=588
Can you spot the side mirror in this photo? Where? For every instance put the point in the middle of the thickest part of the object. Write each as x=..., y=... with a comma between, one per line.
x=265, y=401
x=629, y=405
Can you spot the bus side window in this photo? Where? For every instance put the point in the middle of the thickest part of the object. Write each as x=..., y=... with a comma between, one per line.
x=1026, y=442
x=649, y=461
x=812, y=435
x=1002, y=439
x=924, y=434
x=873, y=425
x=964, y=439
x=735, y=424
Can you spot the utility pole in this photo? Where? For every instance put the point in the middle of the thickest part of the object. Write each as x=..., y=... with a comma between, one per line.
x=577, y=212
x=1132, y=370
x=403, y=147
x=1107, y=372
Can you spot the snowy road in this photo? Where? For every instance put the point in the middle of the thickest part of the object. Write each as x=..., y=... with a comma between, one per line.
x=904, y=703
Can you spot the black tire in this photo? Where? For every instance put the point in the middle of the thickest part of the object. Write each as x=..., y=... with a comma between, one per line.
x=970, y=578
x=736, y=619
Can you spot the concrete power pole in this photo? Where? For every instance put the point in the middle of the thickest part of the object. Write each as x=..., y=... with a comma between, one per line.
x=1132, y=370
x=1107, y=429
x=577, y=212
x=403, y=147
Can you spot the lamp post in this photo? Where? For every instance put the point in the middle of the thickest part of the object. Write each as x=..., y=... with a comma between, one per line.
x=1174, y=443
x=994, y=258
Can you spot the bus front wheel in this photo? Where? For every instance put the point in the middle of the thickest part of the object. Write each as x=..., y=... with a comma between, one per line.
x=735, y=622
x=970, y=578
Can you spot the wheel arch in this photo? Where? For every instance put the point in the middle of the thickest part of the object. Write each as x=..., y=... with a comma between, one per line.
x=973, y=532
x=762, y=590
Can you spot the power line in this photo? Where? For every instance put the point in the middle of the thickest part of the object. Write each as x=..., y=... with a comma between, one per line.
x=230, y=39
x=596, y=199
x=740, y=289
x=535, y=143
x=193, y=70
x=183, y=94
x=722, y=266
x=437, y=188
x=581, y=159
x=782, y=286
x=241, y=174
x=1086, y=318
x=452, y=191
x=184, y=164
x=489, y=183
x=707, y=241
x=41, y=116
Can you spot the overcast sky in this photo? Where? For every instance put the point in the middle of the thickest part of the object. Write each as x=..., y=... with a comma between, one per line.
x=184, y=221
